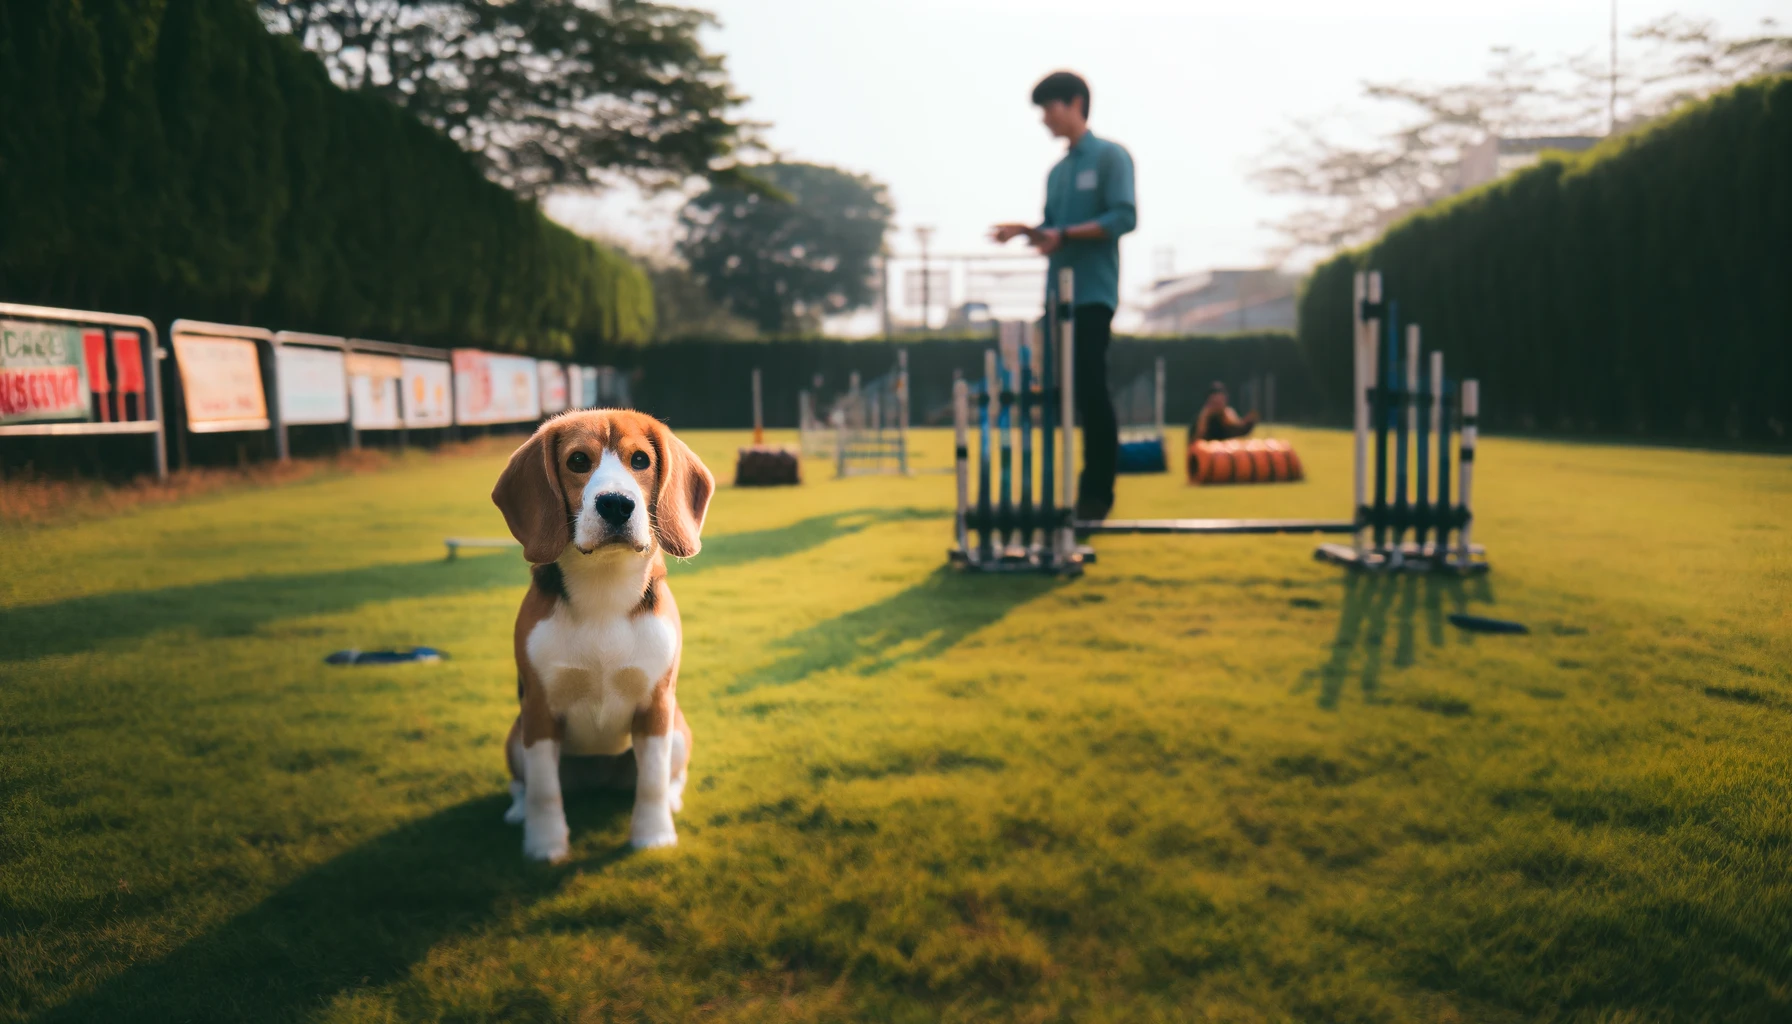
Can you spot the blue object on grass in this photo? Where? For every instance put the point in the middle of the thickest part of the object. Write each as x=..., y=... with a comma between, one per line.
x=385, y=657
x=1146, y=456
x=1477, y=624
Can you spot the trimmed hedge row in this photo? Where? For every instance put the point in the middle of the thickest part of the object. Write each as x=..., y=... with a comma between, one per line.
x=705, y=384
x=174, y=159
x=1643, y=288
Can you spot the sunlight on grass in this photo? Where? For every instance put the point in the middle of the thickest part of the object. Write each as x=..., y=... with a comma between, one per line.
x=1212, y=779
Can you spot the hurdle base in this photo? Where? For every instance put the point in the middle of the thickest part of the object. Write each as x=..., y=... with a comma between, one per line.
x=1016, y=560
x=1406, y=558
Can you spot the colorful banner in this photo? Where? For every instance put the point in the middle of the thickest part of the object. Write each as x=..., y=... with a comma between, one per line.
x=43, y=373
x=490, y=388
x=426, y=393
x=220, y=380
x=553, y=387
x=313, y=385
x=575, y=386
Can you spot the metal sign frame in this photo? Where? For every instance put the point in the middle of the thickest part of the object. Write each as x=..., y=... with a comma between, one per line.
x=153, y=424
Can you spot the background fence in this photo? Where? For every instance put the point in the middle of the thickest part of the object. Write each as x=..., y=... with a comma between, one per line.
x=706, y=384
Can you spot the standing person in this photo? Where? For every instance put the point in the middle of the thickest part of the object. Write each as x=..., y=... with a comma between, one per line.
x=1089, y=204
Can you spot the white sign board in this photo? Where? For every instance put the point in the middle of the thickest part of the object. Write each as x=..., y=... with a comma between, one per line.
x=553, y=387
x=373, y=386
x=590, y=376
x=220, y=381
x=313, y=385
x=426, y=393
x=492, y=388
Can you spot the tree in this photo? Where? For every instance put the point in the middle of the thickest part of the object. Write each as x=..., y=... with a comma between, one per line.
x=782, y=261
x=1354, y=189
x=545, y=92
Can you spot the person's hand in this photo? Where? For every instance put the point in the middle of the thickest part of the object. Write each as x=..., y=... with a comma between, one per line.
x=1047, y=240
x=1001, y=233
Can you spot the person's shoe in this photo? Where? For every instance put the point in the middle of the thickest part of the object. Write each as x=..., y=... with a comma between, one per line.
x=1092, y=509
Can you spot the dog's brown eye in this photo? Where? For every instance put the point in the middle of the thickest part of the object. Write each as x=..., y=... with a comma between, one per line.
x=578, y=462
x=640, y=460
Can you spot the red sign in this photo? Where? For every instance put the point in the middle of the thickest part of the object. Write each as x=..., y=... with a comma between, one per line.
x=40, y=391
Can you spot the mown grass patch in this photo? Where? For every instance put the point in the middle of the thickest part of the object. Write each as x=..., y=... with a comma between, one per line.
x=1212, y=779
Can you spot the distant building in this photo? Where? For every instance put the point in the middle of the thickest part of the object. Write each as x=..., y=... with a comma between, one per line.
x=1220, y=302
x=1494, y=157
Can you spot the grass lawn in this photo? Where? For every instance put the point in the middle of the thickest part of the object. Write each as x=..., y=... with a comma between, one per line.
x=1211, y=780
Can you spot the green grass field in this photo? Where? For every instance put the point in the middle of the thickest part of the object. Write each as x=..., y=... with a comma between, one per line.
x=1210, y=780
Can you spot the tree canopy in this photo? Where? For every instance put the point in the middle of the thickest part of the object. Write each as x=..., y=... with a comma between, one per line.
x=1354, y=183
x=545, y=92
x=783, y=261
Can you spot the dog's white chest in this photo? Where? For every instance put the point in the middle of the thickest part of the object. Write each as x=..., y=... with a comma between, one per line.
x=599, y=670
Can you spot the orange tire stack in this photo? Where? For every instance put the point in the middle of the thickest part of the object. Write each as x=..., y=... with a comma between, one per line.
x=1257, y=461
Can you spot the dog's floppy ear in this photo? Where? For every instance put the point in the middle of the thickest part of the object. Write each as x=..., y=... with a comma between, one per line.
x=682, y=500
x=530, y=496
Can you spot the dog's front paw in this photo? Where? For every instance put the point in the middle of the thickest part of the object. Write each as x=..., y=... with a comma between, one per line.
x=545, y=840
x=652, y=828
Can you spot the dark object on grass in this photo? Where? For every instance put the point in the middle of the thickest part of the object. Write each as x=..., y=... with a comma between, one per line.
x=1477, y=624
x=767, y=466
x=385, y=657
x=1144, y=456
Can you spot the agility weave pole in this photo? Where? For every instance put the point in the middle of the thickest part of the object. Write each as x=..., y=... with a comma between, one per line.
x=1015, y=533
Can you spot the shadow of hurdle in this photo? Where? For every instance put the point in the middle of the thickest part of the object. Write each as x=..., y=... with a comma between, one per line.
x=1404, y=602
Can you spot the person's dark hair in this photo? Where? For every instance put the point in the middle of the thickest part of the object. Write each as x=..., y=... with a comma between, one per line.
x=1064, y=86
x=1216, y=388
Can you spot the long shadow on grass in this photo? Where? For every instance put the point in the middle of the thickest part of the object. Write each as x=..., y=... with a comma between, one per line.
x=1369, y=601
x=921, y=622
x=236, y=607
x=358, y=921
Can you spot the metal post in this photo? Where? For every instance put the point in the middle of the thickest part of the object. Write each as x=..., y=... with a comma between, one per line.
x=758, y=409
x=1005, y=383
x=152, y=386
x=961, y=457
x=985, y=420
x=1384, y=409
x=1428, y=536
x=902, y=411
x=1024, y=424
x=1408, y=412
x=1048, y=414
x=1471, y=408
x=1157, y=408
x=1067, y=410
x=840, y=446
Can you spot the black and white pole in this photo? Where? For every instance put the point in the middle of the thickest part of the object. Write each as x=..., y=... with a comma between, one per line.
x=961, y=457
x=1471, y=409
x=1367, y=299
x=758, y=409
x=1065, y=547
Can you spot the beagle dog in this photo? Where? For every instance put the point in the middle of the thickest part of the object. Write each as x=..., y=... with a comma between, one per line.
x=598, y=499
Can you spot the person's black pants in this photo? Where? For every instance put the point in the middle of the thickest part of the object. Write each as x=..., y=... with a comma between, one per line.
x=1095, y=407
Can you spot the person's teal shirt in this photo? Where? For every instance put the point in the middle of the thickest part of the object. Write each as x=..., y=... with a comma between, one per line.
x=1092, y=183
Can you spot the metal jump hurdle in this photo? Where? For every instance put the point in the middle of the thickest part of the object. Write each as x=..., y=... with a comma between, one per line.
x=1413, y=530
x=871, y=423
x=1412, y=525
x=1031, y=388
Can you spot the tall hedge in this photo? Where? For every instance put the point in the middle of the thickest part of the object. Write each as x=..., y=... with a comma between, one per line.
x=1642, y=288
x=172, y=158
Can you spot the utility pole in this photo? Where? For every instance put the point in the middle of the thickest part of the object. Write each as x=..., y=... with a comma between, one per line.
x=1611, y=122
x=883, y=269
x=925, y=234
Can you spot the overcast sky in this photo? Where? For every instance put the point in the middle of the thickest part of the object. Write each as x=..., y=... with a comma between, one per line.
x=930, y=97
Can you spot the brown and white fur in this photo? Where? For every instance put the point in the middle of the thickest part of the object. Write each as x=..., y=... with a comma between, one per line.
x=598, y=499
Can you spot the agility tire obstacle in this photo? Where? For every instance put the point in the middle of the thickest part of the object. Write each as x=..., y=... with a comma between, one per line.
x=1254, y=461
x=1006, y=529
x=760, y=464
x=1408, y=522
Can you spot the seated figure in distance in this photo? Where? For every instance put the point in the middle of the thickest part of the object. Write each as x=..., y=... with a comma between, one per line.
x=1219, y=422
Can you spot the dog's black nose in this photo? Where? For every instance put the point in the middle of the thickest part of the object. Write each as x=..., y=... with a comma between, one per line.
x=615, y=508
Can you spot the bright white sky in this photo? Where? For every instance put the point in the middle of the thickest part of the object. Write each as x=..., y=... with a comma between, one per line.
x=931, y=97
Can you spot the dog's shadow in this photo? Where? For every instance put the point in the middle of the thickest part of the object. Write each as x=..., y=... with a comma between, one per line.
x=359, y=920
